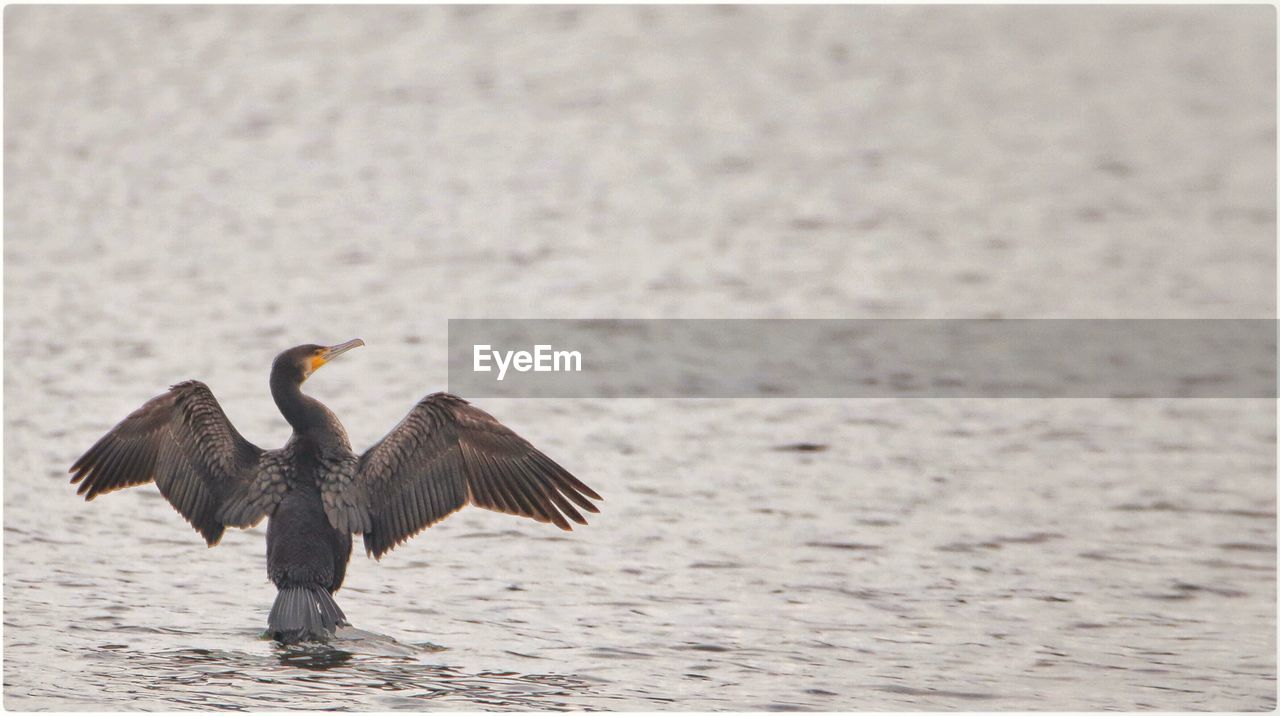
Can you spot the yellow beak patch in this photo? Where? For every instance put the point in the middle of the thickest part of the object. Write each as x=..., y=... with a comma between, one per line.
x=314, y=362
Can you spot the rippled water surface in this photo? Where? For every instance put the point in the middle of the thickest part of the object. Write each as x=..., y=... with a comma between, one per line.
x=189, y=191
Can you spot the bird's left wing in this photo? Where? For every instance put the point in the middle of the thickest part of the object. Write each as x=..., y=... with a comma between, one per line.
x=444, y=455
x=184, y=441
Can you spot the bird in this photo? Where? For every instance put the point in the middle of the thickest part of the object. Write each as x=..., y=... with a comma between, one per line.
x=315, y=491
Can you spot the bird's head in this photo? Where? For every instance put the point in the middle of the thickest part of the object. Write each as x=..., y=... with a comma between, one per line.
x=298, y=363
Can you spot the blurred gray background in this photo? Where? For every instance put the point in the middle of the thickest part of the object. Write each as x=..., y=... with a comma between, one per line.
x=190, y=190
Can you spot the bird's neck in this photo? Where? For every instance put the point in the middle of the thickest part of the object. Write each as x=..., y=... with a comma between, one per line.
x=302, y=411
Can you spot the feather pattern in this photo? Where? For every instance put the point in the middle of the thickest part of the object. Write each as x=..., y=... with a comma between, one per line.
x=444, y=455
x=184, y=441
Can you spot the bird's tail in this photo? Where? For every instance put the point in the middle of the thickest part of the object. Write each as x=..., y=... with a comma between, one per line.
x=304, y=613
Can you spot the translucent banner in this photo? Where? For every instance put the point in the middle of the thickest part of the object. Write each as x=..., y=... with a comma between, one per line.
x=871, y=358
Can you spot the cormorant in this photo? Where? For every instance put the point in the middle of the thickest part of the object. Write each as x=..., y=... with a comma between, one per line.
x=444, y=455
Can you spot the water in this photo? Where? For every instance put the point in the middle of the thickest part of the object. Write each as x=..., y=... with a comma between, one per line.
x=247, y=179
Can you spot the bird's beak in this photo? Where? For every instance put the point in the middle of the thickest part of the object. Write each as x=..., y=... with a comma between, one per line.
x=327, y=355
x=334, y=351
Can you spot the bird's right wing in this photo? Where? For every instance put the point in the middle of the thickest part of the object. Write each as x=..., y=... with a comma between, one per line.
x=203, y=467
x=444, y=455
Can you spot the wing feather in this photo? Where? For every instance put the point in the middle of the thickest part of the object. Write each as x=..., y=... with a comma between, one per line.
x=444, y=455
x=184, y=442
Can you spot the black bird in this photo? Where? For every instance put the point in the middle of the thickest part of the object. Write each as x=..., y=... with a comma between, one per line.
x=444, y=455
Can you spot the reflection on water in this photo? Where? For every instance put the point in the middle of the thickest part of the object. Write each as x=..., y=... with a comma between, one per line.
x=318, y=658
x=320, y=676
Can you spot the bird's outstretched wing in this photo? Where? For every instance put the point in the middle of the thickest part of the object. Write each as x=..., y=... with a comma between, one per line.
x=203, y=467
x=444, y=455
